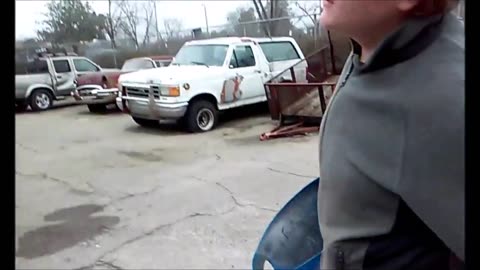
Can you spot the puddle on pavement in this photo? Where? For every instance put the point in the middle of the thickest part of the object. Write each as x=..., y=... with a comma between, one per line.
x=142, y=156
x=74, y=225
x=173, y=156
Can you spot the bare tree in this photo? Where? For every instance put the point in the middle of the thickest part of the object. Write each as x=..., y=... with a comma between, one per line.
x=130, y=20
x=309, y=11
x=137, y=21
x=172, y=26
x=238, y=20
x=112, y=23
x=277, y=9
x=148, y=8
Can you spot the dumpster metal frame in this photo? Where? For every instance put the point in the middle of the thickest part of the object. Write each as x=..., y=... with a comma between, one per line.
x=294, y=104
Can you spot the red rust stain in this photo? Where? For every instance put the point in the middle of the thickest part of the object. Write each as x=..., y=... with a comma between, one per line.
x=231, y=89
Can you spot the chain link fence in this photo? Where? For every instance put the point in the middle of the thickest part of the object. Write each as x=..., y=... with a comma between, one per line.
x=303, y=28
x=309, y=35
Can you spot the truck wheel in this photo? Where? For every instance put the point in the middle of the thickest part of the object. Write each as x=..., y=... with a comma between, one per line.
x=145, y=122
x=97, y=108
x=41, y=100
x=201, y=116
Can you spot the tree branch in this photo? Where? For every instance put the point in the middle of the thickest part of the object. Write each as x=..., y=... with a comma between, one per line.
x=306, y=12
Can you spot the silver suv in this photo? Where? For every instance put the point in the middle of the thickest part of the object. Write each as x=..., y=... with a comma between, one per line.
x=48, y=79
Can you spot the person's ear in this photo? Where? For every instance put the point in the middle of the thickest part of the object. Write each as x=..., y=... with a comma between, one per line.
x=406, y=6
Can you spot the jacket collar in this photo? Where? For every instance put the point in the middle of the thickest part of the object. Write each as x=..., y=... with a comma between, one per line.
x=408, y=40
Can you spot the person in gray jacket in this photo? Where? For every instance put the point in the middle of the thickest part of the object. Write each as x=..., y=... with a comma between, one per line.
x=392, y=173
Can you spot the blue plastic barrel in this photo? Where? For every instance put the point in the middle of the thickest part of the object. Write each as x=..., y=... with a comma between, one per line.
x=293, y=239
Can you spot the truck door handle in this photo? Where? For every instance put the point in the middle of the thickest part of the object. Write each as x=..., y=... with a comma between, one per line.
x=59, y=76
x=257, y=71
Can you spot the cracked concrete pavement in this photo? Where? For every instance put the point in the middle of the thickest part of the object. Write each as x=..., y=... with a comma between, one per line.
x=97, y=191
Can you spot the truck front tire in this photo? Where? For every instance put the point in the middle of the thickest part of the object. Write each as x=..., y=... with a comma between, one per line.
x=41, y=100
x=145, y=122
x=201, y=116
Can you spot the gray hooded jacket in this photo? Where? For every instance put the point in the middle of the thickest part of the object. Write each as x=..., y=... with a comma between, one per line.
x=392, y=187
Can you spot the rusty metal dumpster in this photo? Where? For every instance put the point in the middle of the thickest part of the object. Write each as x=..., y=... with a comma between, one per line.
x=299, y=107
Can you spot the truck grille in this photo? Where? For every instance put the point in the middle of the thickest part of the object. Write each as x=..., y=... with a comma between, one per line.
x=143, y=92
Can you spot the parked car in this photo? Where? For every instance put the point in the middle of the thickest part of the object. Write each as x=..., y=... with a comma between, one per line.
x=50, y=78
x=99, y=89
x=209, y=76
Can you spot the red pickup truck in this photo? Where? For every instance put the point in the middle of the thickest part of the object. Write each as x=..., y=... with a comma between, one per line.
x=99, y=89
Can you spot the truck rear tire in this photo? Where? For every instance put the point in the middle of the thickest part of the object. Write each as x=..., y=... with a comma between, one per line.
x=97, y=108
x=145, y=122
x=41, y=100
x=201, y=116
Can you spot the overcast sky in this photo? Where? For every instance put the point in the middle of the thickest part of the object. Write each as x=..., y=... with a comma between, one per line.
x=28, y=14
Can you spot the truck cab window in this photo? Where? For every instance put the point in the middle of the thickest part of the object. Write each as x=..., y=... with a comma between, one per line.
x=242, y=56
x=82, y=65
x=279, y=51
x=61, y=66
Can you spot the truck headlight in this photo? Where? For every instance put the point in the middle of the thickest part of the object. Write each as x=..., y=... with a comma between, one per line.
x=173, y=91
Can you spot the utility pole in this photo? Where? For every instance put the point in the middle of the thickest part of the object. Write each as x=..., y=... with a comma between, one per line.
x=270, y=32
x=262, y=18
x=206, y=18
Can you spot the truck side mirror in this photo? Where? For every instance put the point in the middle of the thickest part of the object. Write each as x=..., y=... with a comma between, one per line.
x=231, y=67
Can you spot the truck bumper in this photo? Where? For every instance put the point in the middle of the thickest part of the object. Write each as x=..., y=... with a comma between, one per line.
x=94, y=94
x=151, y=109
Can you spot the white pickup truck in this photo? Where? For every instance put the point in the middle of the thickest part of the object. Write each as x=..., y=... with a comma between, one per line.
x=208, y=76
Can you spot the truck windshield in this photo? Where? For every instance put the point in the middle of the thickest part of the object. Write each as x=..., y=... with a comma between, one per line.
x=208, y=55
x=137, y=64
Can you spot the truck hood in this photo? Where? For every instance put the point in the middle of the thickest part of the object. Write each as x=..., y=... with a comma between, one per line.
x=172, y=74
